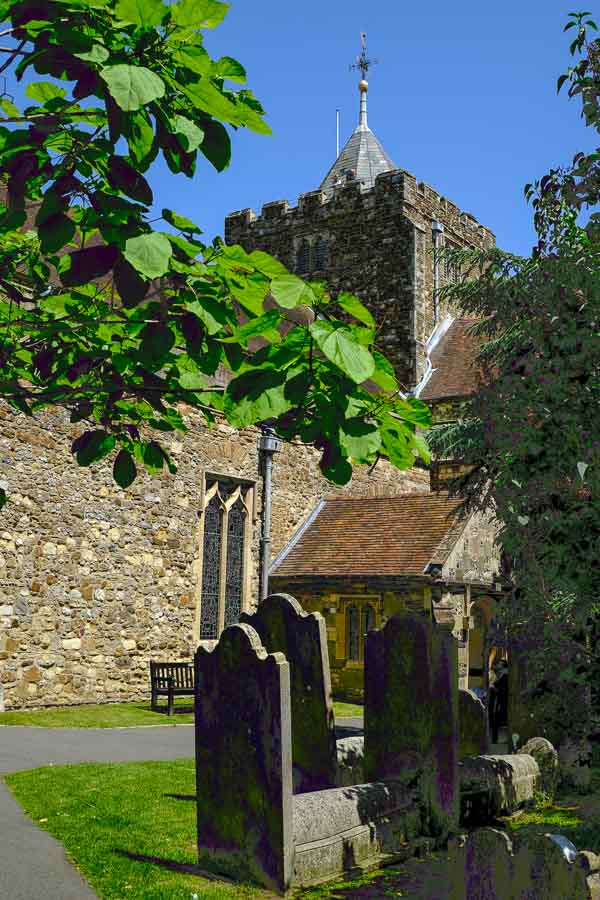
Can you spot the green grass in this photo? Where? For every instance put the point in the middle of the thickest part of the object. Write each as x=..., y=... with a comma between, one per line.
x=130, y=828
x=121, y=715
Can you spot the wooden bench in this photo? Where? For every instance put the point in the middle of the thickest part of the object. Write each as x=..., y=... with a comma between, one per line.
x=170, y=680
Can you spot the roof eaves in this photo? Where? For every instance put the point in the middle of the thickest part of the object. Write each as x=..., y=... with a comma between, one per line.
x=443, y=549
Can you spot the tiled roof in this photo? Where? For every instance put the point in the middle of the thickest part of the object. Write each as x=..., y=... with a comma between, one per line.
x=453, y=360
x=375, y=536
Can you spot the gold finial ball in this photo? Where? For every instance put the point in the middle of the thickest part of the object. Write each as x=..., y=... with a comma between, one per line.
x=363, y=86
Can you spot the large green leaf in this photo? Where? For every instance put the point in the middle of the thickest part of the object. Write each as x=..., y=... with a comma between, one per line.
x=264, y=326
x=124, y=470
x=194, y=58
x=360, y=440
x=123, y=176
x=226, y=67
x=180, y=222
x=251, y=291
x=92, y=446
x=212, y=313
x=132, y=87
x=289, y=291
x=413, y=410
x=145, y=13
x=149, y=254
x=189, y=134
x=384, y=374
x=55, y=233
x=44, y=91
x=267, y=264
x=397, y=444
x=157, y=341
x=216, y=145
x=256, y=396
x=198, y=13
x=141, y=139
x=338, y=344
x=207, y=97
x=355, y=308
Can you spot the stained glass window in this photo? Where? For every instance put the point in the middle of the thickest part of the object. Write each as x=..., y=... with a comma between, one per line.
x=235, y=563
x=211, y=571
x=303, y=259
x=353, y=632
x=321, y=254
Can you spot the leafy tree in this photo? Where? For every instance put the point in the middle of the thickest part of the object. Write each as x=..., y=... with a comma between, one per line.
x=119, y=320
x=531, y=432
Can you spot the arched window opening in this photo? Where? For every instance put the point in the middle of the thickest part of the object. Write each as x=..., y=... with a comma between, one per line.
x=369, y=620
x=235, y=563
x=211, y=571
x=321, y=254
x=303, y=258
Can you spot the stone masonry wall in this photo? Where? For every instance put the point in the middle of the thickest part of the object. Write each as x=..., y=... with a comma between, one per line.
x=95, y=581
x=380, y=247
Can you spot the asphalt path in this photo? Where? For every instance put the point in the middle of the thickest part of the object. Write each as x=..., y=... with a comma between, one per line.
x=32, y=863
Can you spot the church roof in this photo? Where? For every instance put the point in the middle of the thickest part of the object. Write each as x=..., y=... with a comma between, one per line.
x=364, y=156
x=378, y=536
x=455, y=371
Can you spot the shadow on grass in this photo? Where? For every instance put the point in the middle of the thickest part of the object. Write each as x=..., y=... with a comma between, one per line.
x=173, y=865
x=164, y=710
x=180, y=796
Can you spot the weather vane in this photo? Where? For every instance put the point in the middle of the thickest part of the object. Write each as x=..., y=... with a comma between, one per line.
x=363, y=62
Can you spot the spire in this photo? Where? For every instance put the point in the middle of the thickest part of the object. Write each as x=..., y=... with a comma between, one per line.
x=364, y=64
x=363, y=158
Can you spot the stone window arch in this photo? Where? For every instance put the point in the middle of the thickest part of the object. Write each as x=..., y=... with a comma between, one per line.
x=353, y=633
x=225, y=542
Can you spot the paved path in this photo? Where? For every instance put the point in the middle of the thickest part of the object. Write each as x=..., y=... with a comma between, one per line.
x=32, y=863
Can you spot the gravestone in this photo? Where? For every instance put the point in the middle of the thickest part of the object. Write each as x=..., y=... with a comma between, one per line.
x=474, y=735
x=482, y=868
x=547, y=759
x=411, y=715
x=542, y=870
x=283, y=626
x=497, y=785
x=243, y=760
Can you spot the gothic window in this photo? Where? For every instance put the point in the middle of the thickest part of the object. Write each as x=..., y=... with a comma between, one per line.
x=369, y=619
x=451, y=268
x=226, y=536
x=321, y=254
x=303, y=258
x=352, y=620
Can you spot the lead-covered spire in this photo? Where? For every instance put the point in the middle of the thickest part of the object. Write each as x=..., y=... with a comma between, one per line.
x=363, y=158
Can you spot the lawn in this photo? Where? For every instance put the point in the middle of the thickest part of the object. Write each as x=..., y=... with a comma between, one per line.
x=130, y=828
x=122, y=715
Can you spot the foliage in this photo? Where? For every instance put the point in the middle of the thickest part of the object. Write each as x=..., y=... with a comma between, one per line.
x=119, y=322
x=531, y=433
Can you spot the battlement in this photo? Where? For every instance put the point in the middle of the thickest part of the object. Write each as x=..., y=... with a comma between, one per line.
x=398, y=186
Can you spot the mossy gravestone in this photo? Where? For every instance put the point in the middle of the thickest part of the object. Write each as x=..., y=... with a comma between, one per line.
x=243, y=760
x=411, y=715
x=283, y=626
x=474, y=735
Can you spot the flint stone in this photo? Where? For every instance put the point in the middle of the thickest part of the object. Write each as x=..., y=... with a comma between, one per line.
x=411, y=715
x=474, y=735
x=498, y=785
x=547, y=759
x=284, y=627
x=339, y=829
x=243, y=760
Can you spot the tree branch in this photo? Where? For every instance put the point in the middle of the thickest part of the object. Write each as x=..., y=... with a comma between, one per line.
x=13, y=55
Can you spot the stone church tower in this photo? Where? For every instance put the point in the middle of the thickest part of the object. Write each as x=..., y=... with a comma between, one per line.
x=372, y=229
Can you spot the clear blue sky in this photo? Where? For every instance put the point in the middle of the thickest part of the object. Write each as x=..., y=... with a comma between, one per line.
x=464, y=97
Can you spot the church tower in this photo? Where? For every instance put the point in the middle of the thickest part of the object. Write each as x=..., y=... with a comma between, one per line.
x=374, y=230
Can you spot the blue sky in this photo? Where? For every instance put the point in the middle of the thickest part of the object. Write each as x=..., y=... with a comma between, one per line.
x=464, y=97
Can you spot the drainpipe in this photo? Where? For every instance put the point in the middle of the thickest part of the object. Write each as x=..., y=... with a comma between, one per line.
x=268, y=445
x=437, y=229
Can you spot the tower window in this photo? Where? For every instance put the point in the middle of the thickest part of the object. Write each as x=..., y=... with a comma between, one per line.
x=303, y=258
x=321, y=254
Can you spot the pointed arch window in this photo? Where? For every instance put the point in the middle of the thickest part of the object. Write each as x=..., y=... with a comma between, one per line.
x=321, y=254
x=352, y=625
x=361, y=615
x=226, y=534
x=303, y=258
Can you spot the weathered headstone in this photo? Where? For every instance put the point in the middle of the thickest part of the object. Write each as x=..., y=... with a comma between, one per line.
x=547, y=759
x=283, y=626
x=474, y=735
x=497, y=785
x=542, y=870
x=482, y=868
x=411, y=714
x=243, y=760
